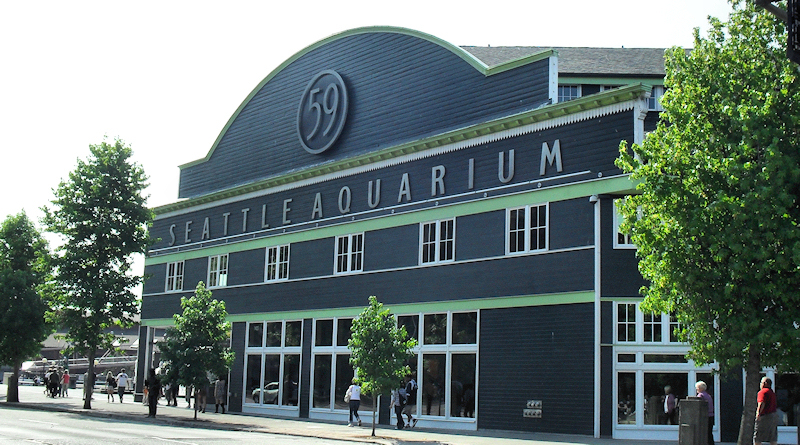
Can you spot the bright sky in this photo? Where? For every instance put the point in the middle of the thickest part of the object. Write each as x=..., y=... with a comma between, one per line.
x=165, y=76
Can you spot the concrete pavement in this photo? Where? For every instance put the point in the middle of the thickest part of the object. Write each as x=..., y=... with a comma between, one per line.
x=34, y=398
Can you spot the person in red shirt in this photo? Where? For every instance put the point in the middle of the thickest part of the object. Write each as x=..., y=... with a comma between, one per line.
x=766, y=415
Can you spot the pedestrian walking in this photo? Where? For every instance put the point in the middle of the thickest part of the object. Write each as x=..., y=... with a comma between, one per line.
x=411, y=401
x=122, y=383
x=65, y=383
x=220, y=394
x=353, y=398
x=766, y=429
x=153, y=385
x=111, y=385
x=398, y=402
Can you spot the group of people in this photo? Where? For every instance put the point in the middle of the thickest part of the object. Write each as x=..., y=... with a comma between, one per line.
x=766, y=425
x=57, y=382
x=153, y=390
x=118, y=384
x=404, y=403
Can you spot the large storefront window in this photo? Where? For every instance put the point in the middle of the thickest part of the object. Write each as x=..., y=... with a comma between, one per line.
x=273, y=364
x=332, y=372
x=447, y=363
x=787, y=388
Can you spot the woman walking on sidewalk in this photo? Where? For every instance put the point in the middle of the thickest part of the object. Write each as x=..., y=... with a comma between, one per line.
x=353, y=397
x=111, y=383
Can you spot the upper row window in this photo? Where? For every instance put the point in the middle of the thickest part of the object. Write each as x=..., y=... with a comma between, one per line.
x=437, y=241
x=654, y=101
x=635, y=326
x=349, y=253
x=568, y=92
x=527, y=229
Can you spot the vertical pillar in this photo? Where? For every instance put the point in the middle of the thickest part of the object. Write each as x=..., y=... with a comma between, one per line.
x=144, y=360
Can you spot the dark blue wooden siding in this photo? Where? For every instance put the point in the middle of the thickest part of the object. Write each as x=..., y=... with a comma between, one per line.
x=537, y=353
x=401, y=88
x=154, y=279
x=571, y=223
x=311, y=258
x=194, y=271
x=481, y=235
x=614, y=283
x=246, y=267
x=588, y=146
x=236, y=382
x=518, y=275
x=391, y=248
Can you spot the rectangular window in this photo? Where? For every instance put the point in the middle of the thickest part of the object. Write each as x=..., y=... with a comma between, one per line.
x=621, y=239
x=654, y=101
x=255, y=337
x=674, y=328
x=437, y=241
x=252, y=378
x=218, y=270
x=527, y=229
x=277, y=263
x=626, y=398
x=174, y=276
x=626, y=322
x=349, y=253
x=657, y=387
x=568, y=92
x=652, y=327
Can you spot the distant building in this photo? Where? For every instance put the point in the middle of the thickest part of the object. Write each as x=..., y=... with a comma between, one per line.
x=472, y=190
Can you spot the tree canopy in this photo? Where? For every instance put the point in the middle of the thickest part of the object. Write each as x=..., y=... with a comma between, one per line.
x=716, y=219
x=196, y=345
x=24, y=271
x=379, y=351
x=101, y=214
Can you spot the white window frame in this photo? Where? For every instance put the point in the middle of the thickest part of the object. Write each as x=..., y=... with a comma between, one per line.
x=563, y=98
x=438, y=241
x=281, y=350
x=448, y=349
x=665, y=325
x=527, y=229
x=333, y=351
x=608, y=87
x=626, y=242
x=349, y=255
x=174, y=278
x=654, y=101
x=220, y=274
x=280, y=266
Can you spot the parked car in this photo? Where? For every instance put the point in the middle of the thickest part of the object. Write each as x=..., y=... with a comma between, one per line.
x=270, y=393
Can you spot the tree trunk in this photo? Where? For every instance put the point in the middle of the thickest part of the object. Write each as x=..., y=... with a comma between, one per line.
x=196, y=398
x=751, y=384
x=13, y=385
x=88, y=382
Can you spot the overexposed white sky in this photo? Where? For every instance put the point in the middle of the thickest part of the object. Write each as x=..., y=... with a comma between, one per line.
x=165, y=76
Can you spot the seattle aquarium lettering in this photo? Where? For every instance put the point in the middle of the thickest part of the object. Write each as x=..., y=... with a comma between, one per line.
x=506, y=167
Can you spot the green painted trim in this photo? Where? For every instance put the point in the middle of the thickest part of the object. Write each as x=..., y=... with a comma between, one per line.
x=559, y=193
x=157, y=322
x=622, y=299
x=463, y=54
x=411, y=308
x=581, y=104
x=566, y=80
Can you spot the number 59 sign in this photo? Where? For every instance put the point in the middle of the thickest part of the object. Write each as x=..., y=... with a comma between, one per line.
x=322, y=112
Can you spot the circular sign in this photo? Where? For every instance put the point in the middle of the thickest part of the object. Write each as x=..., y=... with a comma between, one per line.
x=322, y=112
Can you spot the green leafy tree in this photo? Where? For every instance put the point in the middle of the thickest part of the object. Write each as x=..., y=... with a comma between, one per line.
x=101, y=215
x=196, y=345
x=379, y=351
x=24, y=272
x=717, y=218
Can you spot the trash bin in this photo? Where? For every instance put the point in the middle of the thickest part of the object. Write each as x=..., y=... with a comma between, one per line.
x=693, y=420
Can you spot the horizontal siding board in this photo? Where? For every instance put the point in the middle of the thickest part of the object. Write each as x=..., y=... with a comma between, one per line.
x=569, y=271
x=585, y=146
x=402, y=88
x=523, y=355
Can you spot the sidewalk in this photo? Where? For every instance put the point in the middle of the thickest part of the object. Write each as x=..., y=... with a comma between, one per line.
x=34, y=398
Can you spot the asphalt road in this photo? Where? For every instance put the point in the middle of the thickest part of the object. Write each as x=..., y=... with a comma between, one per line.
x=25, y=426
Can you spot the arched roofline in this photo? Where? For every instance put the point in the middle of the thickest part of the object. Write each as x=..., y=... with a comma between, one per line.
x=466, y=56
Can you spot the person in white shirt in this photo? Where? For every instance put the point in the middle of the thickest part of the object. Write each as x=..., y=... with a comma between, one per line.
x=353, y=396
x=122, y=383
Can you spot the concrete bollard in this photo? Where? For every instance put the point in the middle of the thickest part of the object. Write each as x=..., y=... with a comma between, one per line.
x=693, y=419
